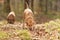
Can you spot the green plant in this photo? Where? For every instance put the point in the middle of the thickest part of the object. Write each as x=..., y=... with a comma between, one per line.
x=3, y=35
x=24, y=34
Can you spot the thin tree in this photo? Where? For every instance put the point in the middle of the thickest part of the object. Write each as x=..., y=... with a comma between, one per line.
x=56, y=5
x=7, y=6
x=41, y=5
x=32, y=3
x=46, y=7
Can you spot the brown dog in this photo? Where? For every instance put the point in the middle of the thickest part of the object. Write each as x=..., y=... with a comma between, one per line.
x=28, y=17
x=11, y=17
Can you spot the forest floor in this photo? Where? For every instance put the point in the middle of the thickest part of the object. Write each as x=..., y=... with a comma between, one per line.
x=46, y=31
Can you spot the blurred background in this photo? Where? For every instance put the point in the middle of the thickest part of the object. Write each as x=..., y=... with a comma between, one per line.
x=44, y=10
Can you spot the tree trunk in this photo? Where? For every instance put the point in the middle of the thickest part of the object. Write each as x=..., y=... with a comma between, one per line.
x=41, y=5
x=7, y=6
x=56, y=5
x=46, y=7
x=32, y=2
x=51, y=6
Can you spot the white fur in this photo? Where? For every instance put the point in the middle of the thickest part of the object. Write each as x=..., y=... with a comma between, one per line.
x=11, y=13
x=28, y=10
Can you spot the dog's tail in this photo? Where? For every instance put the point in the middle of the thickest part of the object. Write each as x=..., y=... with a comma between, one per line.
x=27, y=6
